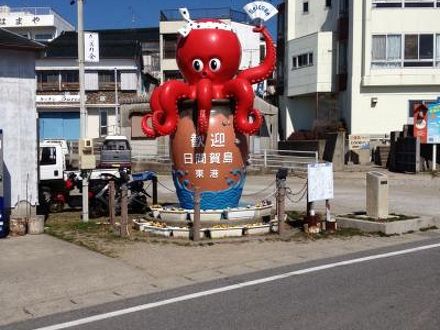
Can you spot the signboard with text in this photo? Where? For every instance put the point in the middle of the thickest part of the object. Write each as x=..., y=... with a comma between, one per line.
x=434, y=123
x=91, y=47
x=320, y=181
x=358, y=141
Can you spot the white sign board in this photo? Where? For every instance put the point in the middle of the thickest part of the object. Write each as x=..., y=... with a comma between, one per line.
x=320, y=181
x=260, y=9
x=58, y=98
x=358, y=142
x=91, y=47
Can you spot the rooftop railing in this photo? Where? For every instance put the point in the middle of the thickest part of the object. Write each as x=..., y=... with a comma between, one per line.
x=199, y=13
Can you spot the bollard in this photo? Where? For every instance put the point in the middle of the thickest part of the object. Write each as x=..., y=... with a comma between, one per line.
x=111, y=204
x=125, y=230
x=377, y=195
x=196, y=223
x=154, y=190
x=281, y=199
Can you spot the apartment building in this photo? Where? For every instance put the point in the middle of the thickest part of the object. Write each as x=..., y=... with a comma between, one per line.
x=361, y=64
x=42, y=24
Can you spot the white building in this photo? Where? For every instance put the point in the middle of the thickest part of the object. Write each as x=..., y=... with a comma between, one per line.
x=39, y=23
x=18, y=123
x=117, y=76
x=363, y=63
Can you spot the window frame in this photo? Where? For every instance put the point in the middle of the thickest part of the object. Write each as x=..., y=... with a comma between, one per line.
x=103, y=113
x=303, y=60
x=386, y=61
x=419, y=62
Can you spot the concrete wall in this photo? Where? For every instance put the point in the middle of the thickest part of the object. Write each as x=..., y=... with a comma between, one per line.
x=19, y=124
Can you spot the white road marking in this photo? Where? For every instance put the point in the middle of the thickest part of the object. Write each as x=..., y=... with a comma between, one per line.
x=196, y=295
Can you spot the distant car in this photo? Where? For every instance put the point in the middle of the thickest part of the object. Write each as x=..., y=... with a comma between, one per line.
x=115, y=152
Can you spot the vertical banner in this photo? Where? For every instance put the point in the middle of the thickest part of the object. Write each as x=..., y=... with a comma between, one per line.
x=91, y=47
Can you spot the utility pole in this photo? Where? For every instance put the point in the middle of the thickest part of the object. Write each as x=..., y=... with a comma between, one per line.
x=82, y=106
x=117, y=109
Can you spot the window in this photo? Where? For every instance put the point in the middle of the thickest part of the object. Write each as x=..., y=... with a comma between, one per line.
x=386, y=51
x=437, y=50
x=328, y=3
x=305, y=7
x=48, y=156
x=43, y=37
x=169, y=46
x=419, y=50
x=106, y=80
x=103, y=122
x=301, y=61
x=70, y=80
x=172, y=74
x=419, y=3
x=387, y=3
x=48, y=80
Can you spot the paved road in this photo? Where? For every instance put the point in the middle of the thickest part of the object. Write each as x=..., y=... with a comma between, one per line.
x=393, y=288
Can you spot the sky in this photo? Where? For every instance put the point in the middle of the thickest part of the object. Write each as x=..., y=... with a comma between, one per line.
x=107, y=14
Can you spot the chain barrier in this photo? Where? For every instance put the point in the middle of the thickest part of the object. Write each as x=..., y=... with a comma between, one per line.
x=260, y=191
x=302, y=191
x=165, y=187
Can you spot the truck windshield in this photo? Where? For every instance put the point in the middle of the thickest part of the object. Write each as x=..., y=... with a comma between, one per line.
x=48, y=156
x=115, y=145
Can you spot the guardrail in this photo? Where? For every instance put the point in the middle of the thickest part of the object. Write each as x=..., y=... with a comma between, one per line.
x=291, y=159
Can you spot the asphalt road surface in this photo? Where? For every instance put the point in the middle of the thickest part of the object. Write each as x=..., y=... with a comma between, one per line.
x=394, y=288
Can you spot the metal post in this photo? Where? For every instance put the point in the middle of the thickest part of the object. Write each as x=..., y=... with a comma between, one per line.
x=82, y=105
x=434, y=157
x=125, y=231
x=196, y=223
x=154, y=190
x=117, y=110
x=281, y=195
x=265, y=158
x=111, y=204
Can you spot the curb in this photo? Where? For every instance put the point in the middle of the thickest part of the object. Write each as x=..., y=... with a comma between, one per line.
x=390, y=228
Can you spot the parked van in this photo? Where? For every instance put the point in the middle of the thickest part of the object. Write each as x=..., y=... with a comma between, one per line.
x=115, y=152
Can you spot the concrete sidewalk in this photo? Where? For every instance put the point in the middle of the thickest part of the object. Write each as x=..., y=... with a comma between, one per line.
x=41, y=275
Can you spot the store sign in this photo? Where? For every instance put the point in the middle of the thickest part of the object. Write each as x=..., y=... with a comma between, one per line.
x=358, y=142
x=91, y=47
x=22, y=20
x=434, y=123
x=58, y=98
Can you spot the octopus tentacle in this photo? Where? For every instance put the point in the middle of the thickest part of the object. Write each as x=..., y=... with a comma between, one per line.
x=204, y=102
x=241, y=90
x=265, y=69
x=156, y=108
x=165, y=121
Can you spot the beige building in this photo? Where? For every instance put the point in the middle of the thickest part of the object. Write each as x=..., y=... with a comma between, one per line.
x=362, y=63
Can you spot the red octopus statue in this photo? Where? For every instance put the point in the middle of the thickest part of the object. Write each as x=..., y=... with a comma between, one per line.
x=209, y=57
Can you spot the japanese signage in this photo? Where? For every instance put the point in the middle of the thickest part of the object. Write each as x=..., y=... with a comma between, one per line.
x=434, y=123
x=22, y=20
x=320, y=181
x=58, y=98
x=216, y=141
x=358, y=142
x=91, y=47
x=260, y=9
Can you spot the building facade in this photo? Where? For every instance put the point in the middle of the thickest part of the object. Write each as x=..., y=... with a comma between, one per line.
x=38, y=23
x=18, y=123
x=358, y=64
x=117, y=76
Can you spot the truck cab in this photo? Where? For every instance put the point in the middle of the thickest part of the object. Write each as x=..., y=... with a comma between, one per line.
x=52, y=161
x=115, y=152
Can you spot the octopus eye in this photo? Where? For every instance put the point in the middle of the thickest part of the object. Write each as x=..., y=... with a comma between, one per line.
x=197, y=65
x=215, y=64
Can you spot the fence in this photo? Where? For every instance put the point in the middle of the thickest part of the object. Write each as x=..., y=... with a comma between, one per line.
x=291, y=159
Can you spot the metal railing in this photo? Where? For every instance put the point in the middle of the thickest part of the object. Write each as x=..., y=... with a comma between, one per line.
x=200, y=13
x=291, y=159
